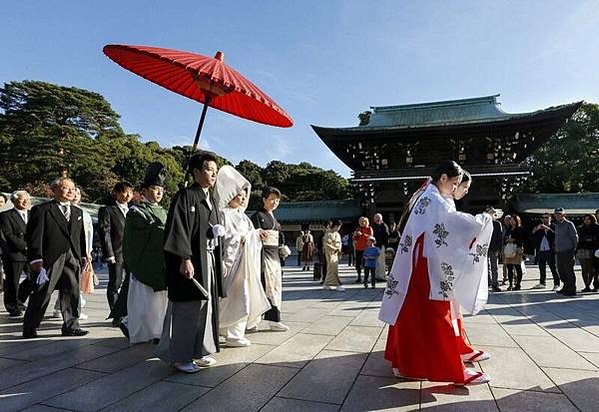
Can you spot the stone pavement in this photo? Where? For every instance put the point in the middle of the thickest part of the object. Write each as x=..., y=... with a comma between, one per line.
x=545, y=358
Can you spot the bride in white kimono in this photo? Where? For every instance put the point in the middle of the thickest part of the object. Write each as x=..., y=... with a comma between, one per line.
x=245, y=300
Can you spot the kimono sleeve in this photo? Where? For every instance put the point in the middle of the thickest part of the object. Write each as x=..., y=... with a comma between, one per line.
x=179, y=224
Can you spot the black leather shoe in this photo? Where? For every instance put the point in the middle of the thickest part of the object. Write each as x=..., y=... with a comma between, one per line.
x=15, y=313
x=29, y=334
x=74, y=332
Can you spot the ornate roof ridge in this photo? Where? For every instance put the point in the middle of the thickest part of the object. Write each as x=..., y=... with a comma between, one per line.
x=491, y=99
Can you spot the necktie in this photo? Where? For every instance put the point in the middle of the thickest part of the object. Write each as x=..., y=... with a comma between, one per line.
x=66, y=211
x=24, y=216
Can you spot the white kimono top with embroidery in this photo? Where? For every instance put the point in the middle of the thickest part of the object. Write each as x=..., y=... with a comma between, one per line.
x=455, y=246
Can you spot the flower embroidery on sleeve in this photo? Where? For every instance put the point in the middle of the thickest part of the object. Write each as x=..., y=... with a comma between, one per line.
x=405, y=245
x=422, y=205
x=446, y=284
x=391, y=286
x=480, y=252
x=441, y=233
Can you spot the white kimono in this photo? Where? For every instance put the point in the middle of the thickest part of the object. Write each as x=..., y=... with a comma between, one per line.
x=246, y=300
x=455, y=246
x=245, y=295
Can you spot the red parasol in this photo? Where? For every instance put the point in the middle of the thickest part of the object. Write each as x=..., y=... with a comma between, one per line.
x=204, y=79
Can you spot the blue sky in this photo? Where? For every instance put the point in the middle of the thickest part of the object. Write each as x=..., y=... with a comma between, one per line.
x=323, y=61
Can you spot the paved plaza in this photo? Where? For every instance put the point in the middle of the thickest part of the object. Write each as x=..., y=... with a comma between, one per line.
x=545, y=352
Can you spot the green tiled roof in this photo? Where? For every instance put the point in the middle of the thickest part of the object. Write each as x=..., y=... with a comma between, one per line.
x=318, y=211
x=445, y=113
x=575, y=203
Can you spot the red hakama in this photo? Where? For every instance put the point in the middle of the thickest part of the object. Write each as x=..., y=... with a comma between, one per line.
x=422, y=343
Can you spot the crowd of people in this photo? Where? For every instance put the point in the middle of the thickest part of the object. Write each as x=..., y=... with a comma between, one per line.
x=203, y=274
x=192, y=279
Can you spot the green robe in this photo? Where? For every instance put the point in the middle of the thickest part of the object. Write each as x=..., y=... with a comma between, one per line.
x=142, y=251
x=142, y=244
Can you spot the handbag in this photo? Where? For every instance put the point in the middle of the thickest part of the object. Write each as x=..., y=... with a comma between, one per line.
x=510, y=250
x=284, y=251
x=87, y=279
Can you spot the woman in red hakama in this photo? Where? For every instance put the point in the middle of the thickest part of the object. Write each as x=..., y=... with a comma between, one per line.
x=422, y=342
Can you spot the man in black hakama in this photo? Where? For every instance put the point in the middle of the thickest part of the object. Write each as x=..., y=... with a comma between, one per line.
x=193, y=272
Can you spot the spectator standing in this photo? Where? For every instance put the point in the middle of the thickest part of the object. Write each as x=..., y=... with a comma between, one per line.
x=371, y=261
x=566, y=240
x=299, y=246
x=506, y=226
x=361, y=236
x=344, y=245
x=307, y=250
x=513, y=256
x=13, y=224
x=381, y=234
x=56, y=251
x=332, y=249
x=588, y=243
x=544, y=234
x=111, y=224
x=495, y=246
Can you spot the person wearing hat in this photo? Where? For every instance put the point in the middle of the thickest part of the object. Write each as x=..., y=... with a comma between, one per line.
x=145, y=294
x=192, y=249
x=242, y=244
x=566, y=239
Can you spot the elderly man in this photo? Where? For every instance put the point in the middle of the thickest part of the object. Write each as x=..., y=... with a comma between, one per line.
x=566, y=239
x=56, y=251
x=13, y=224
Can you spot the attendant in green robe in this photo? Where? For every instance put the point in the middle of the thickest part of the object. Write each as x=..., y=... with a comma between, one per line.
x=142, y=251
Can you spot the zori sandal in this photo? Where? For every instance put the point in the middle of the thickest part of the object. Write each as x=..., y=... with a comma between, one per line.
x=476, y=356
x=472, y=377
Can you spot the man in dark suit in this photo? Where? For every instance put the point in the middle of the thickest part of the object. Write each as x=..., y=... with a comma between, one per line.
x=544, y=234
x=111, y=224
x=56, y=251
x=14, y=252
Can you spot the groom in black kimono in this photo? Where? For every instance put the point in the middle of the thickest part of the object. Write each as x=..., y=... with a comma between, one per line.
x=193, y=271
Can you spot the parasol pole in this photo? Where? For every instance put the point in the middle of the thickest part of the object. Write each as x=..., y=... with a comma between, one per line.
x=196, y=140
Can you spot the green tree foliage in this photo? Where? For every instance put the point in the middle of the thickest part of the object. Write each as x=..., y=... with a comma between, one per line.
x=303, y=181
x=568, y=162
x=47, y=130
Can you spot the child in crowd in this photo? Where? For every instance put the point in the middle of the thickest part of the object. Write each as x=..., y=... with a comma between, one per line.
x=371, y=254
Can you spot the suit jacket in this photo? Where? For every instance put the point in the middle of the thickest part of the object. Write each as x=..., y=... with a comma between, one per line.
x=540, y=234
x=111, y=225
x=14, y=246
x=49, y=235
